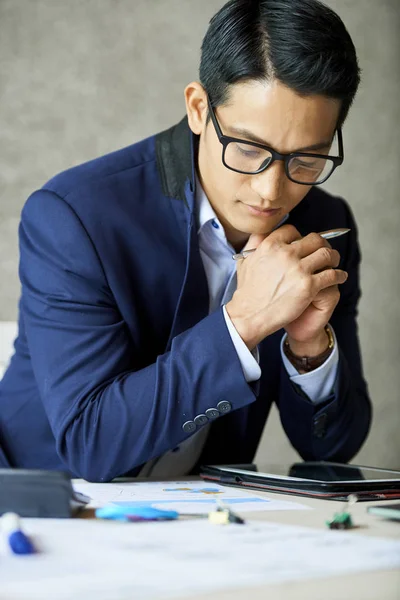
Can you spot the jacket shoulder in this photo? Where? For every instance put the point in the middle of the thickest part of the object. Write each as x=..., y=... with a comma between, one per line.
x=97, y=170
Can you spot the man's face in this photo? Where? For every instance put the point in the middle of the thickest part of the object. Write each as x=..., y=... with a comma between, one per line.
x=276, y=116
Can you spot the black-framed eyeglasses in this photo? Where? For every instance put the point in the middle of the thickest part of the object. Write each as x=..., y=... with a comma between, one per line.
x=252, y=158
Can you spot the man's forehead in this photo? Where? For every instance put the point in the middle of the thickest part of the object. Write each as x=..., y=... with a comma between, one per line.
x=248, y=135
x=271, y=114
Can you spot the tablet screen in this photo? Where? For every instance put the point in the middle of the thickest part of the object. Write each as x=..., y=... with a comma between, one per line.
x=339, y=472
x=321, y=471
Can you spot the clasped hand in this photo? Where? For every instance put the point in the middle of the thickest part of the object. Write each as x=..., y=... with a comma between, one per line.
x=289, y=282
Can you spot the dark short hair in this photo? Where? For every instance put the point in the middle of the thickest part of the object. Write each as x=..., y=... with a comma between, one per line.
x=301, y=43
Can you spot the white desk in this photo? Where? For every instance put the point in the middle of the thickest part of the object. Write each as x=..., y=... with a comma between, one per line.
x=368, y=585
x=375, y=585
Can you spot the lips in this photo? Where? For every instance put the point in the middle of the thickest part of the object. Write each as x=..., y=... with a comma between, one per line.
x=262, y=212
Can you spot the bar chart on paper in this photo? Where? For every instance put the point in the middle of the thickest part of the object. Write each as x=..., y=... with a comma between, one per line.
x=187, y=497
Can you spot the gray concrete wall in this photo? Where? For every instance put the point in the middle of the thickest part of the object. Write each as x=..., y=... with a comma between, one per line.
x=79, y=78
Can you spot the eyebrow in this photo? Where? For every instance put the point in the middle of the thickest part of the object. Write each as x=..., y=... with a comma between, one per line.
x=253, y=138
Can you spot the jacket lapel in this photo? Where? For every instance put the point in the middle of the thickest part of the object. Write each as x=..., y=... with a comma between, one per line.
x=176, y=151
x=193, y=303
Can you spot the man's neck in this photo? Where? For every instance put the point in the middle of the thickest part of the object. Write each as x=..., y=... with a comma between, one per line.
x=236, y=238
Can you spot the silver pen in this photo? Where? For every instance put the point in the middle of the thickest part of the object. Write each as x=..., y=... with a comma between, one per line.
x=327, y=235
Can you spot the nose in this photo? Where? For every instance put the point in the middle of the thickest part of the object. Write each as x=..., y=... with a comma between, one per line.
x=268, y=185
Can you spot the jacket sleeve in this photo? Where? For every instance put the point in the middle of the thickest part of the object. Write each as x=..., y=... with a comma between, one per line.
x=336, y=429
x=107, y=415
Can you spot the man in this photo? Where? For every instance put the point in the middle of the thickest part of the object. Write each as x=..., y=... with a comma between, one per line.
x=139, y=350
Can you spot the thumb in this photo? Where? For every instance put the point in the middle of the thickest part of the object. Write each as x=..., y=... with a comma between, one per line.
x=254, y=240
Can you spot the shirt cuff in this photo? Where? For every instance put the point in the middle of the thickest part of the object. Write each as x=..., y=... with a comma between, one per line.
x=317, y=384
x=248, y=360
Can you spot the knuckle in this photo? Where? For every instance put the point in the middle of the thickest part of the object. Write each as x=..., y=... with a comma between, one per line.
x=329, y=277
x=335, y=258
x=316, y=240
x=325, y=254
x=292, y=229
x=289, y=250
x=333, y=275
x=305, y=284
x=270, y=244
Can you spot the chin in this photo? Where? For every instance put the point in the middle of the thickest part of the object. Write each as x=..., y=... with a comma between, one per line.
x=262, y=228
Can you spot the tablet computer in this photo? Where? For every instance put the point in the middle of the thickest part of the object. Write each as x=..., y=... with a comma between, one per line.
x=334, y=481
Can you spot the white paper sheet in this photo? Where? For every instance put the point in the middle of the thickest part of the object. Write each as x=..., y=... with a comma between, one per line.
x=184, y=497
x=99, y=560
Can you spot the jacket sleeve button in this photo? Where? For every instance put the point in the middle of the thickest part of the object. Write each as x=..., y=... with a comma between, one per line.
x=201, y=420
x=212, y=413
x=224, y=407
x=189, y=427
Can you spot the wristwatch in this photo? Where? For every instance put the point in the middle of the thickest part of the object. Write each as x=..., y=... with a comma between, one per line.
x=309, y=363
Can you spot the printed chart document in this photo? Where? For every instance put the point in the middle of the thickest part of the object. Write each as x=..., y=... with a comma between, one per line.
x=109, y=560
x=185, y=497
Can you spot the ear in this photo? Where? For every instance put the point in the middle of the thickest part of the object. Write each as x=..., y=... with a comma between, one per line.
x=196, y=106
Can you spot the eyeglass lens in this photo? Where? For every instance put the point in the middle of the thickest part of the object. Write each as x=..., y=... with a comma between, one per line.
x=251, y=159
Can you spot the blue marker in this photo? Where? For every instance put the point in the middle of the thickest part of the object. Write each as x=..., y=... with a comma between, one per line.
x=17, y=540
x=138, y=513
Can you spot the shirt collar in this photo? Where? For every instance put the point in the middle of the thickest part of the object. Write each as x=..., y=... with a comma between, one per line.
x=204, y=210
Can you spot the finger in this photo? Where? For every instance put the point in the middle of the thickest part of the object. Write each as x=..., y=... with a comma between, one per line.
x=285, y=234
x=252, y=244
x=327, y=296
x=329, y=277
x=309, y=244
x=323, y=258
x=254, y=241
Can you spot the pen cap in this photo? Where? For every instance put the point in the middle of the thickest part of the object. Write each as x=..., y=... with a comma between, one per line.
x=19, y=543
x=10, y=522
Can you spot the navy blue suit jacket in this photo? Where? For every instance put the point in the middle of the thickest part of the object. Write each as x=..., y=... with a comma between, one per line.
x=116, y=350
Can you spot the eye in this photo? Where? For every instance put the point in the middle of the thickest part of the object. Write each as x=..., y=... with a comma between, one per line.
x=308, y=164
x=249, y=151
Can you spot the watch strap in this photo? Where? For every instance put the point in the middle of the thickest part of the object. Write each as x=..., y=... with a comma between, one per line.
x=309, y=363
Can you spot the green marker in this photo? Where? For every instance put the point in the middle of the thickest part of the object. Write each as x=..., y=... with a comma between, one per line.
x=343, y=519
